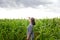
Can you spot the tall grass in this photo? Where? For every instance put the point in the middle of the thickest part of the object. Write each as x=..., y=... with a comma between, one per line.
x=16, y=29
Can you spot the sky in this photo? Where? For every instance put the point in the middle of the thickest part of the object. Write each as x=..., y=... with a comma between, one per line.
x=16, y=9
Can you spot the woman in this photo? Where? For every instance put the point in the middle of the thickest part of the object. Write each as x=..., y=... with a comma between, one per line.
x=30, y=33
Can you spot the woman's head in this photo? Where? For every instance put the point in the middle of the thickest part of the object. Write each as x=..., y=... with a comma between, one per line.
x=32, y=21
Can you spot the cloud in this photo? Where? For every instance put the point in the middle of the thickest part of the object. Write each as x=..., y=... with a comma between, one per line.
x=25, y=3
x=26, y=12
x=32, y=8
x=52, y=5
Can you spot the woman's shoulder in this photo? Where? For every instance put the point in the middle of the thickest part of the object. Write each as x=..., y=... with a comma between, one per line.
x=30, y=26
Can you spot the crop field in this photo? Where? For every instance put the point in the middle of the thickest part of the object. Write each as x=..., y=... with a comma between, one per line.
x=16, y=29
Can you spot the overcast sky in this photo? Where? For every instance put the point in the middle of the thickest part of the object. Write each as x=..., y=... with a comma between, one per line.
x=29, y=8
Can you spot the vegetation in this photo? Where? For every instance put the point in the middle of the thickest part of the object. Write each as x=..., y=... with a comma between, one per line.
x=16, y=29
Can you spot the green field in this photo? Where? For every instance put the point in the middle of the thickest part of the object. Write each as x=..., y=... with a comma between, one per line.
x=16, y=29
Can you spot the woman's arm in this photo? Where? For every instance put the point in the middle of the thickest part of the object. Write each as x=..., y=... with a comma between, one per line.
x=29, y=32
x=28, y=36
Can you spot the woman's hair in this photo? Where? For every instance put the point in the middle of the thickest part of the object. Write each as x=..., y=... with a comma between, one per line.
x=32, y=21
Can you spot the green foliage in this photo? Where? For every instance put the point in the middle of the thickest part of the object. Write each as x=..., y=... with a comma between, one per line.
x=16, y=29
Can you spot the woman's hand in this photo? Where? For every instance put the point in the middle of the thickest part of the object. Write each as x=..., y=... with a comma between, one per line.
x=28, y=36
x=27, y=39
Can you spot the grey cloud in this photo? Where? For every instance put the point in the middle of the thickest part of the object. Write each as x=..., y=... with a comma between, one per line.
x=25, y=3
